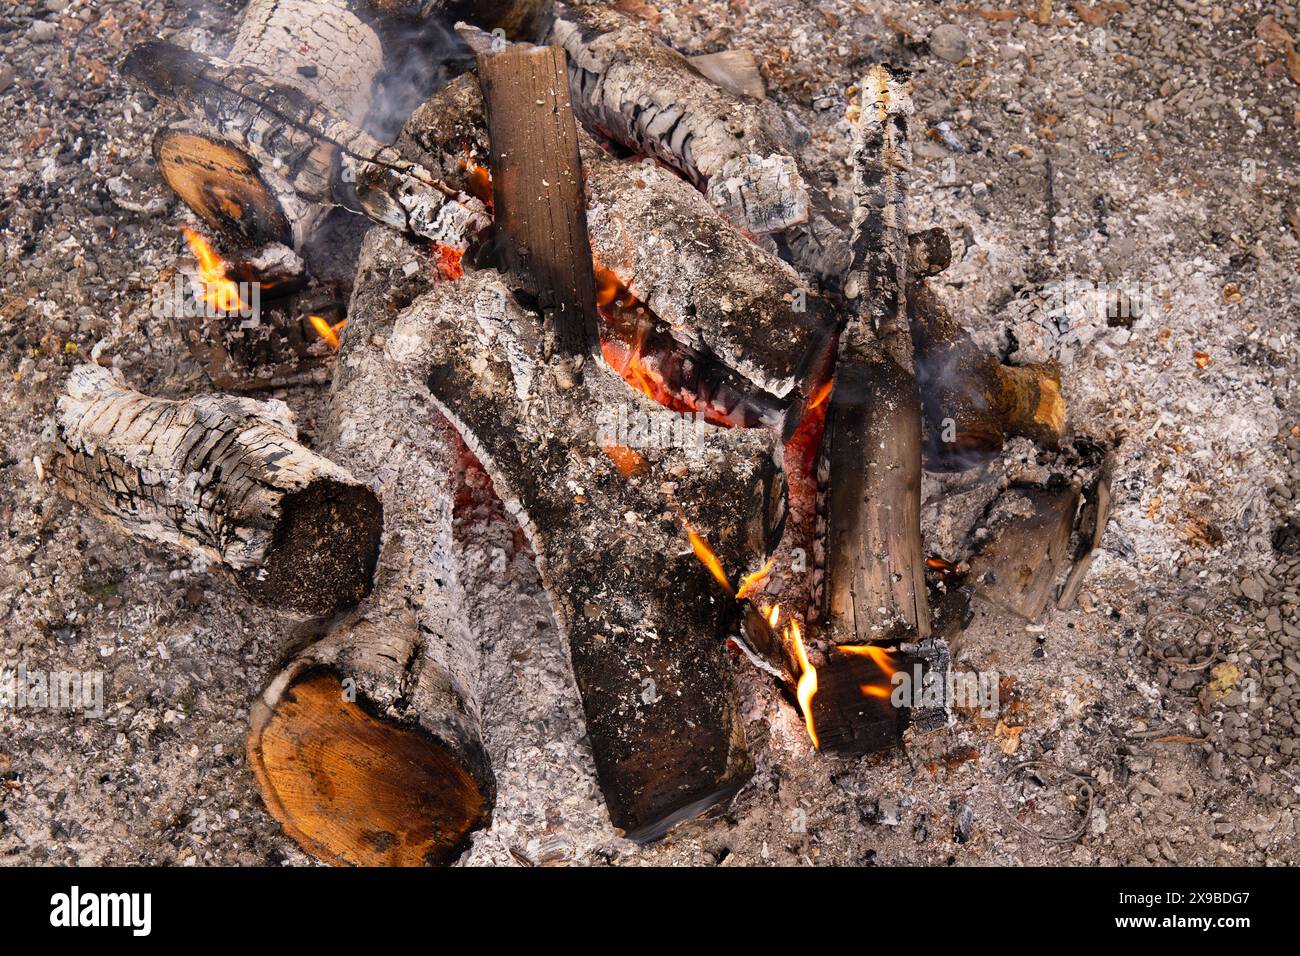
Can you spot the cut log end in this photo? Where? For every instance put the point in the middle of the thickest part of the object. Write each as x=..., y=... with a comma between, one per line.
x=355, y=788
x=221, y=184
x=325, y=550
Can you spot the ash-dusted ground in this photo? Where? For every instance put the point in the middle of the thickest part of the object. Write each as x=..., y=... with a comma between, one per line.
x=1171, y=129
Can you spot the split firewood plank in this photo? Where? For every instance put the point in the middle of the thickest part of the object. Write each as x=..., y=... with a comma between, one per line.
x=368, y=747
x=663, y=243
x=873, y=588
x=1024, y=543
x=224, y=479
x=875, y=579
x=1092, y=529
x=324, y=158
x=540, y=213
x=738, y=150
x=972, y=402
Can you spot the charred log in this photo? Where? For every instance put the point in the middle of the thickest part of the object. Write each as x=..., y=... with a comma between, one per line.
x=629, y=86
x=393, y=771
x=224, y=479
x=324, y=158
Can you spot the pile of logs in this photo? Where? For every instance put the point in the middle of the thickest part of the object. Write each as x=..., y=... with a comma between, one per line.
x=588, y=230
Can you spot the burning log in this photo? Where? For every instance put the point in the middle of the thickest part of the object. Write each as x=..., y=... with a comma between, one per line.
x=367, y=747
x=972, y=402
x=326, y=159
x=224, y=479
x=326, y=49
x=629, y=86
x=659, y=243
x=874, y=590
x=609, y=516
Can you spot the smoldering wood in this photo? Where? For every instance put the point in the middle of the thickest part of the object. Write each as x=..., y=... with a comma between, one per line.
x=398, y=775
x=323, y=158
x=1093, y=518
x=223, y=479
x=972, y=402
x=539, y=211
x=1022, y=546
x=870, y=470
x=275, y=347
x=646, y=622
x=738, y=150
x=648, y=97
x=663, y=243
x=329, y=50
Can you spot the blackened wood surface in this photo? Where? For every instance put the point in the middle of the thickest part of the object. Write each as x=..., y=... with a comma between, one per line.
x=540, y=209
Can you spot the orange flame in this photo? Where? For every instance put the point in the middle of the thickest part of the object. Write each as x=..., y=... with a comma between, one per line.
x=704, y=554
x=879, y=656
x=806, y=689
x=774, y=615
x=750, y=582
x=330, y=333
x=221, y=292
x=823, y=392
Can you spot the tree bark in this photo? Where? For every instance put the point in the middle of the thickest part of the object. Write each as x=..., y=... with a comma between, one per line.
x=224, y=479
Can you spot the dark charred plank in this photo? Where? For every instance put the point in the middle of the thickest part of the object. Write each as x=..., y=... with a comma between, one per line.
x=540, y=211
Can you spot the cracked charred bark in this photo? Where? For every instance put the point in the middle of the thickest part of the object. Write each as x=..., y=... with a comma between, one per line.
x=223, y=478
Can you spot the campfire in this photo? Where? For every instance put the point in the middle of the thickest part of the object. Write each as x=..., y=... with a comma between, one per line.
x=584, y=234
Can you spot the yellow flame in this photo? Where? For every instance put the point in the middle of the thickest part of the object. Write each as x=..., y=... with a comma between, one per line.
x=330, y=333
x=774, y=615
x=878, y=655
x=807, y=687
x=220, y=292
x=707, y=558
x=750, y=582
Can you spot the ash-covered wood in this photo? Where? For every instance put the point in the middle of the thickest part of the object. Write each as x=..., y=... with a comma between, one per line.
x=224, y=479
x=1093, y=518
x=324, y=158
x=517, y=19
x=397, y=774
x=647, y=96
x=738, y=150
x=327, y=49
x=717, y=293
x=973, y=403
x=608, y=515
x=540, y=213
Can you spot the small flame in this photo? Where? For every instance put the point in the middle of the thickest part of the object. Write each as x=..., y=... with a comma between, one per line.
x=807, y=687
x=221, y=292
x=879, y=656
x=330, y=333
x=774, y=615
x=707, y=558
x=751, y=582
